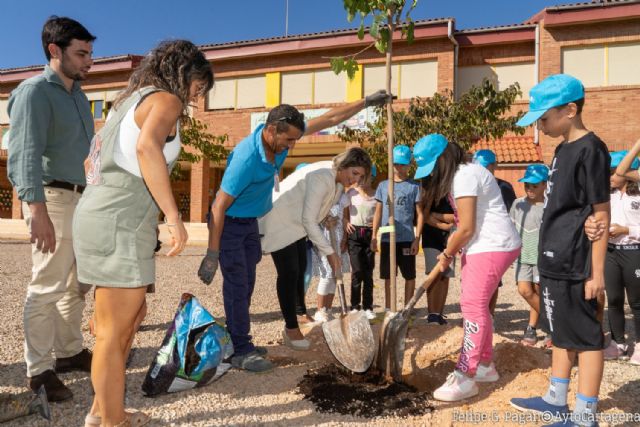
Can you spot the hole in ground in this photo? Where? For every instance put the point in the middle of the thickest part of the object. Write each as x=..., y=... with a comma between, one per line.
x=334, y=389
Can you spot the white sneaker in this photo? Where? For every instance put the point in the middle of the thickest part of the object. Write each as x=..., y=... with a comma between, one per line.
x=635, y=358
x=369, y=314
x=486, y=374
x=321, y=315
x=457, y=387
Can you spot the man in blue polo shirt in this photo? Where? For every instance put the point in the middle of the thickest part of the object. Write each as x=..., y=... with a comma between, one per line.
x=245, y=194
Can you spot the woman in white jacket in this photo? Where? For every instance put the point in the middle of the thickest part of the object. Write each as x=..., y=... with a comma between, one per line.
x=301, y=204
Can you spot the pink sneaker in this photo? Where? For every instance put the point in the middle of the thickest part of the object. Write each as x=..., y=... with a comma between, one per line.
x=486, y=374
x=615, y=351
x=635, y=358
x=457, y=387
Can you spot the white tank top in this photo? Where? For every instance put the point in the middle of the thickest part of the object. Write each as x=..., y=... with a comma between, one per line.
x=124, y=152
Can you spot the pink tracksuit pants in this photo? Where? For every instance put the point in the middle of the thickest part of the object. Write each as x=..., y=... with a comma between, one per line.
x=481, y=273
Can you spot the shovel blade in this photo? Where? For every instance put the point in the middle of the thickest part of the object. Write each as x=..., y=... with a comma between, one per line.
x=350, y=339
x=390, y=355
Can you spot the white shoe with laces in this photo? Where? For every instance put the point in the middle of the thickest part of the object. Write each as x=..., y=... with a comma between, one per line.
x=457, y=387
x=321, y=315
x=369, y=314
x=486, y=374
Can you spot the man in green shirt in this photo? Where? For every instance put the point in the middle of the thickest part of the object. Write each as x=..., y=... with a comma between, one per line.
x=51, y=129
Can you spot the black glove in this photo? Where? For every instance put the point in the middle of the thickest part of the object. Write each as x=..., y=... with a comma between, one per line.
x=377, y=99
x=209, y=266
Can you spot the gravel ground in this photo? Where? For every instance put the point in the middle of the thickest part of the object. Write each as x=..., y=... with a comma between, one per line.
x=241, y=398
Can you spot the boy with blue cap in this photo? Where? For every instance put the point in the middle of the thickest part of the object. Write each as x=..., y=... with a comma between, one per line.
x=526, y=213
x=571, y=267
x=406, y=209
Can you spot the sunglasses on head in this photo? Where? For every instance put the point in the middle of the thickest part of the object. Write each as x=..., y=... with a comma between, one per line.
x=290, y=119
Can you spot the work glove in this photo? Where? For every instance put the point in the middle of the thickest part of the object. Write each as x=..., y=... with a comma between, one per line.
x=377, y=99
x=209, y=266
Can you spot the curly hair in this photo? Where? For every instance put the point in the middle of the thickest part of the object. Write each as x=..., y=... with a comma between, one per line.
x=171, y=66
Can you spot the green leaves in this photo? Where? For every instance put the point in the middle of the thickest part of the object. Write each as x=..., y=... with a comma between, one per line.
x=481, y=113
x=340, y=64
x=194, y=133
x=383, y=14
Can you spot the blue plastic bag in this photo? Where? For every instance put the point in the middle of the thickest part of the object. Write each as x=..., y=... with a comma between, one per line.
x=192, y=352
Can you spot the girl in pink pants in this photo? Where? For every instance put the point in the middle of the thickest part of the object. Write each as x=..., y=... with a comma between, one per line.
x=489, y=243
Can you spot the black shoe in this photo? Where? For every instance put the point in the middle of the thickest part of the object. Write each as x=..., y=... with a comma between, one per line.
x=55, y=389
x=79, y=362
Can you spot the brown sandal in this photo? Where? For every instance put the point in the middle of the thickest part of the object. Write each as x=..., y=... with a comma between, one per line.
x=135, y=419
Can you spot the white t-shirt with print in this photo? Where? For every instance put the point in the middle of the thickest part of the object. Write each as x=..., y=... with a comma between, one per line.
x=494, y=231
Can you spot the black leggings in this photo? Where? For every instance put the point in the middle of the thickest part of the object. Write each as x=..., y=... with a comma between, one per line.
x=291, y=262
x=622, y=272
x=362, y=263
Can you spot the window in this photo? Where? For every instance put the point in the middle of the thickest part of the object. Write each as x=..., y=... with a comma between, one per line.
x=222, y=95
x=375, y=78
x=624, y=63
x=251, y=92
x=501, y=75
x=97, y=109
x=418, y=79
x=297, y=88
x=603, y=65
x=586, y=64
x=329, y=87
x=4, y=115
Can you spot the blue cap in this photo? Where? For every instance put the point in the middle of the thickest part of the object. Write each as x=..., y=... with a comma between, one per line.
x=426, y=152
x=554, y=91
x=535, y=174
x=617, y=156
x=484, y=157
x=374, y=171
x=301, y=165
x=401, y=155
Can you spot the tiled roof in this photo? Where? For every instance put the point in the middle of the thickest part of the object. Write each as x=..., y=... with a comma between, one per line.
x=496, y=28
x=417, y=23
x=101, y=60
x=512, y=149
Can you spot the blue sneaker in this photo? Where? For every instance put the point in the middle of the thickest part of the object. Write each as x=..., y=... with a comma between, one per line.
x=436, y=319
x=538, y=405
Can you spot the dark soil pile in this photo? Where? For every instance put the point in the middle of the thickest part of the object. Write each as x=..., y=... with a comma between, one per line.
x=334, y=389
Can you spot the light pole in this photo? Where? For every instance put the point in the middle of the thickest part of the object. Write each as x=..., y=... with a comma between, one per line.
x=286, y=18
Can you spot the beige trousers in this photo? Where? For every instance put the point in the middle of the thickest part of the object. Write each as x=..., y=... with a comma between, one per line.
x=55, y=300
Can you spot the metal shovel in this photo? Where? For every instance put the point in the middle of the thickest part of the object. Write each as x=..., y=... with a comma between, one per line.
x=393, y=332
x=349, y=337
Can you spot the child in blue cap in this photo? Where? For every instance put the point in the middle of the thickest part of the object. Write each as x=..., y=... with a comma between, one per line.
x=406, y=209
x=489, y=244
x=526, y=213
x=571, y=267
x=623, y=260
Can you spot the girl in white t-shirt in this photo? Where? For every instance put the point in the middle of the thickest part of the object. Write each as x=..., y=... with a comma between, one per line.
x=489, y=243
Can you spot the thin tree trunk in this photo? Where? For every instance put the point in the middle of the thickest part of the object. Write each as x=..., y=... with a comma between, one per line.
x=392, y=234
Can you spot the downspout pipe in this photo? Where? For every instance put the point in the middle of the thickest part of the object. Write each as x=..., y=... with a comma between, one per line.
x=536, y=78
x=455, y=57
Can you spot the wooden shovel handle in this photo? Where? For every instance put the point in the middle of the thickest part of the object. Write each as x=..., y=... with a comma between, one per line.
x=338, y=274
x=433, y=275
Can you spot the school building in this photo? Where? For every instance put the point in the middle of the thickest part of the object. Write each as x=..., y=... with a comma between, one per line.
x=598, y=42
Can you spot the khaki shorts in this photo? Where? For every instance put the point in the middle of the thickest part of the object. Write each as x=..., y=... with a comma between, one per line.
x=527, y=273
